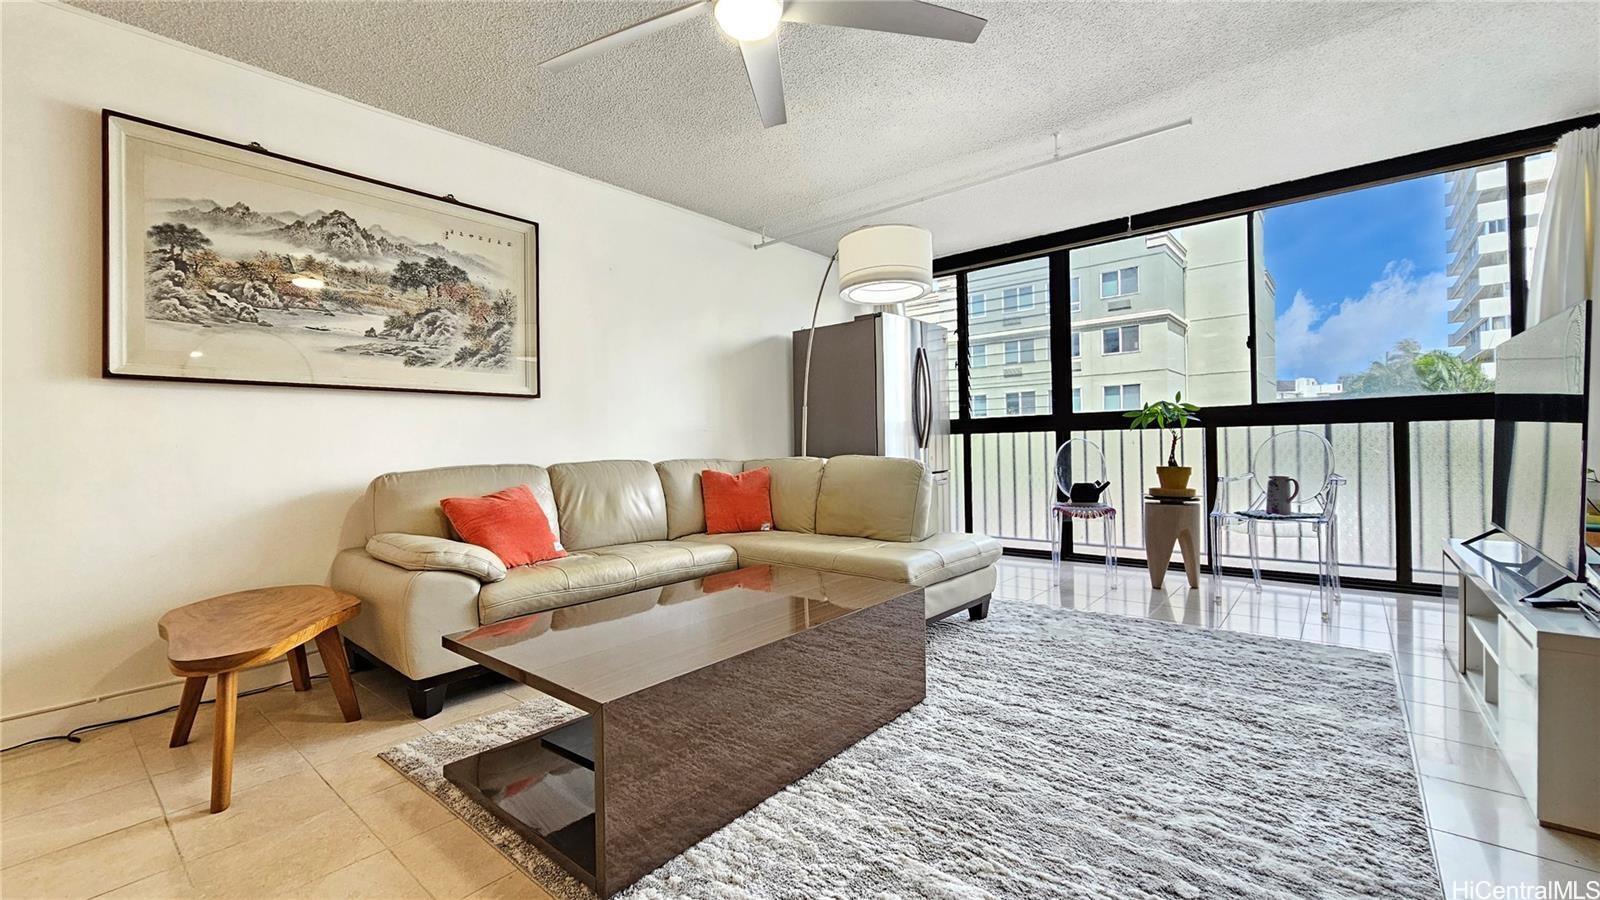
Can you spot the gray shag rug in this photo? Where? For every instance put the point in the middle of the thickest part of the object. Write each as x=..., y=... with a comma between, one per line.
x=1063, y=754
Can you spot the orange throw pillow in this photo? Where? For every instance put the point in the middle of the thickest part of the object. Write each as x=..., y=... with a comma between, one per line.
x=740, y=502
x=510, y=523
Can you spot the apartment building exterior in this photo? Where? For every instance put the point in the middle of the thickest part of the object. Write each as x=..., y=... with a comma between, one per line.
x=1479, y=259
x=1008, y=318
x=1152, y=315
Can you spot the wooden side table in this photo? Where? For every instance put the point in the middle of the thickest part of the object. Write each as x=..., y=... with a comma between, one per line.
x=1167, y=522
x=223, y=635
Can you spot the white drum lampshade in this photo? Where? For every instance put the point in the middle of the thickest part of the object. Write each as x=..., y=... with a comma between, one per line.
x=883, y=264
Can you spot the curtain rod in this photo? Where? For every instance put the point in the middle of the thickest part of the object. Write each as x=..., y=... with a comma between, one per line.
x=1055, y=157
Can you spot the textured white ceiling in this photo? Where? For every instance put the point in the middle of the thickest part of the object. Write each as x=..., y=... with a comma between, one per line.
x=1275, y=91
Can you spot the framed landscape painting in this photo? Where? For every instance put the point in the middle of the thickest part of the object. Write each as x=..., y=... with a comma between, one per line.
x=228, y=263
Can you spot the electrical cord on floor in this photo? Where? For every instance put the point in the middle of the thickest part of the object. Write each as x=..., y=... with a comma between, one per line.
x=72, y=736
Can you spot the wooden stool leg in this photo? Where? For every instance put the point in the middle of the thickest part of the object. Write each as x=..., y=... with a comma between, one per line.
x=193, y=687
x=1160, y=533
x=331, y=646
x=222, y=743
x=1191, y=555
x=299, y=672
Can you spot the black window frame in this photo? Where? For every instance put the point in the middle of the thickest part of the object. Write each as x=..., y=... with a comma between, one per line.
x=1399, y=412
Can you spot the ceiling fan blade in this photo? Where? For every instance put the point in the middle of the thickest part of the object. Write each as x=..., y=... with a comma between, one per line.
x=897, y=16
x=625, y=36
x=766, y=78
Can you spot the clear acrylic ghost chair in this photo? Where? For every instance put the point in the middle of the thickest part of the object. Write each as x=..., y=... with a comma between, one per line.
x=1093, y=464
x=1307, y=457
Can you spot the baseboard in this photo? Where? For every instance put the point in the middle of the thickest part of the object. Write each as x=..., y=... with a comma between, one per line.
x=137, y=701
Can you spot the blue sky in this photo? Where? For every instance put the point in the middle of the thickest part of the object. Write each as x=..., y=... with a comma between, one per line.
x=1357, y=272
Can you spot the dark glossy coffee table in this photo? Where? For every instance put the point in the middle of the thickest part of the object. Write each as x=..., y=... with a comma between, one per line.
x=703, y=698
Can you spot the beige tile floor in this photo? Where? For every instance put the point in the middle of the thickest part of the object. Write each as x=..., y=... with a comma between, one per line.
x=317, y=814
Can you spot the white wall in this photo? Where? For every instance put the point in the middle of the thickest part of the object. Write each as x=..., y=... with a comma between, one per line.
x=664, y=335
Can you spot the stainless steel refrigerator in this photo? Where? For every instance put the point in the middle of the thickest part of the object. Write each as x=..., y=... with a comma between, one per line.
x=879, y=386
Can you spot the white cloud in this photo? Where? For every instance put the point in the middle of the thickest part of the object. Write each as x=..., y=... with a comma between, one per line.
x=1324, y=344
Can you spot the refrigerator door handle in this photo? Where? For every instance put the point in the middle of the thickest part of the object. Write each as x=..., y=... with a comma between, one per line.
x=916, y=396
x=922, y=400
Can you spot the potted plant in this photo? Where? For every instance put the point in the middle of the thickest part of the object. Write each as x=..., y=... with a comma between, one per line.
x=1173, y=415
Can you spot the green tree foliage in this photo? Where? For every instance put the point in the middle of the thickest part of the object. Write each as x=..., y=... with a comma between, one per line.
x=1394, y=374
x=1408, y=370
x=1444, y=372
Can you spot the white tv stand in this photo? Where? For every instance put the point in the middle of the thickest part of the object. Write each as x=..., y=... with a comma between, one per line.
x=1535, y=674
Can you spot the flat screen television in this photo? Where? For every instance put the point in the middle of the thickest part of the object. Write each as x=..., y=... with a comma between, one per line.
x=1541, y=393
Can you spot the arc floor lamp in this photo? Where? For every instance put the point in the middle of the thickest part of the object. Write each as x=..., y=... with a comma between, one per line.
x=879, y=265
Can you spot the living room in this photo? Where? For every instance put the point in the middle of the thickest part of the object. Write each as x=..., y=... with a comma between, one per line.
x=575, y=449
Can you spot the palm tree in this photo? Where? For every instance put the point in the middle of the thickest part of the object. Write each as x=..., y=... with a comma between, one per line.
x=1444, y=372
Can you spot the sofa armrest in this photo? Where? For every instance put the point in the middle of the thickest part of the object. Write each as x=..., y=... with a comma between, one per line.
x=404, y=613
x=424, y=553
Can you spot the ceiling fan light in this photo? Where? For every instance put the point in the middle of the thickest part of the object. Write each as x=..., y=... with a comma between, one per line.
x=885, y=264
x=748, y=20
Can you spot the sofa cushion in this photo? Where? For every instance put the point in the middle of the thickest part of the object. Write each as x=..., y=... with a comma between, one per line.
x=936, y=558
x=878, y=497
x=680, y=483
x=616, y=501
x=599, y=572
x=795, y=480
x=421, y=553
x=408, y=502
x=661, y=562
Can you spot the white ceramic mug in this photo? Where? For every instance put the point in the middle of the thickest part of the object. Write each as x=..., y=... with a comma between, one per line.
x=1281, y=491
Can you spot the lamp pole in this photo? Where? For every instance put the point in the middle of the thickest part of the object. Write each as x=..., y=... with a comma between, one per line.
x=811, y=343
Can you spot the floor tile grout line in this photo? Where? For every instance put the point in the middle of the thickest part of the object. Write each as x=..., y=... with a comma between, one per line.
x=1466, y=783
x=1563, y=862
x=86, y=840
x=58, y=804
x=1580, y=867
x=119, y=885
x=1410, y=731
x=184, y=861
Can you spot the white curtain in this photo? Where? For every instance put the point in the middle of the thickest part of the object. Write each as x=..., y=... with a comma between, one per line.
x=1564, y=260
x=1565, y=269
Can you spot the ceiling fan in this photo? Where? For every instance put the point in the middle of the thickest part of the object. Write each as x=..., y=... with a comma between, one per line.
x=754, y=24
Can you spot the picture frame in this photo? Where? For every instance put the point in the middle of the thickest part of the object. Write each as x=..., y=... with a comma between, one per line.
x=228, y=263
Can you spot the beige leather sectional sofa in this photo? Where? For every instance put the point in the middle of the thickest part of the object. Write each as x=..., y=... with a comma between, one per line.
x=628, y=525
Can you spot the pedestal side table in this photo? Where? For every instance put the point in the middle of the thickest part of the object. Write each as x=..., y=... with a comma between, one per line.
x=1167, y=522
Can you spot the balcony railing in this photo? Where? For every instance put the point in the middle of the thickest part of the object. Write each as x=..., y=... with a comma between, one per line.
x=1467, y=290
x=1481, y=343
x=1014, y=485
